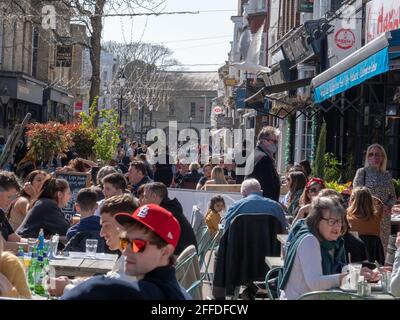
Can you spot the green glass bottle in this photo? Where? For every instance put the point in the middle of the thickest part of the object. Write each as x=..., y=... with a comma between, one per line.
x=38, y=276
x=31, y=270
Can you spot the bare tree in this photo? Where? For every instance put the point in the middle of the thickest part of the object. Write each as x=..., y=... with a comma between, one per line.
x=144, y=65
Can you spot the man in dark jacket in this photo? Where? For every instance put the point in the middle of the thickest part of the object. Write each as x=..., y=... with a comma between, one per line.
x=157, y=193
x=137, y=175
x=148, y=243
x=264, y=167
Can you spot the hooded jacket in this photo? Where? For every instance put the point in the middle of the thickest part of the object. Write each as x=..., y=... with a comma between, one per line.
x=187, y=234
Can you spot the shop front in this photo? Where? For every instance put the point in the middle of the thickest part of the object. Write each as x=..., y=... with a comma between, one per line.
x=19, y=94
x=361, y=98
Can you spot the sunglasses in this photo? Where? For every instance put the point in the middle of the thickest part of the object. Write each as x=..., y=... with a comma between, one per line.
x=376, y=155
x=137, y=245
x=314, y=190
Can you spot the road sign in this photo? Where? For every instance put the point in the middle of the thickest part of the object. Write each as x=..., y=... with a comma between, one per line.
x=218, y=110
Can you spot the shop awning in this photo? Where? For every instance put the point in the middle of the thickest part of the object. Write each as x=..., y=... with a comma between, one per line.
x=367, y=62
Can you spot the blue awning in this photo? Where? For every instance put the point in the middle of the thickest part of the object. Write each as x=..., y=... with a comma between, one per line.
x=367, y=62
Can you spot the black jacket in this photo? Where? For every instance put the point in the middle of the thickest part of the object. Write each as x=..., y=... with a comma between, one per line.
x=159, y=284
x=78, y=241
x=44, y=214
x=187, y=234
x=5, y=226
x=265, y=172
x=355, y=247
x=242, y=251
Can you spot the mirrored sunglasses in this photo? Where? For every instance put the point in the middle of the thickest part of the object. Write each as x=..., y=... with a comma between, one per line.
x=137, y=245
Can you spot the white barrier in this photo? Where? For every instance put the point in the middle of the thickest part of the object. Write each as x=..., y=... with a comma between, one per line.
x=189, y=198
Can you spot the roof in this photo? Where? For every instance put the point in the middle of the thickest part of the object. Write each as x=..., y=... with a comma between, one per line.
x=196, y=80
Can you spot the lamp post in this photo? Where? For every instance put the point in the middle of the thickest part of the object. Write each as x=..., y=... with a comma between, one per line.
x=122, y=81
x=205, y=110
x=190, y=119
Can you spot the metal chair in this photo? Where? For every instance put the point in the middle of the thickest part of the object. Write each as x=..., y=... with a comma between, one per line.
x=187, y=270
x=330, y=295
x=270, y=278
x=210, y=248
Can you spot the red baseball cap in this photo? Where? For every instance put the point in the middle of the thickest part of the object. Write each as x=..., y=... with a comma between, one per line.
x=157, y=219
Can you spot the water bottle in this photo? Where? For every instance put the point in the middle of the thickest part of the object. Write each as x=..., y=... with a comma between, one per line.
x=41, y=240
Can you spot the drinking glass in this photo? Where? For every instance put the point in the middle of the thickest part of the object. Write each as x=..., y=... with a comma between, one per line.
x=355, y=270
x=91, y=248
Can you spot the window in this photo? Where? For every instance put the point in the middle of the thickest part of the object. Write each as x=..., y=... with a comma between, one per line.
x=171, y=109
x=193, y=109
x=35, y=42
x=304, y=139
x=261, y=4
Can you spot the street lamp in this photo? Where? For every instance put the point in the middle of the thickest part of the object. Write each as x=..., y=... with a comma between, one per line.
x=190, y=119
x=122, y=81
x=205, y=110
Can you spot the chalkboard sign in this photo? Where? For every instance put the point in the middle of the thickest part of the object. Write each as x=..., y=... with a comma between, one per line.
x=77, y=181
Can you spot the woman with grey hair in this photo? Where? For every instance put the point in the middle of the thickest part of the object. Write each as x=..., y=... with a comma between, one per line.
x=379, y=181
x=316, y=253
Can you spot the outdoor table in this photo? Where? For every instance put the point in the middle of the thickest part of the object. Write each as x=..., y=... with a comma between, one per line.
x=274, y=262
x=76, y=264
x=395, y=220
x=375, y=295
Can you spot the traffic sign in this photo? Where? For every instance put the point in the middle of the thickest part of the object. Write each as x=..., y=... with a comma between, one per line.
x=218, y=110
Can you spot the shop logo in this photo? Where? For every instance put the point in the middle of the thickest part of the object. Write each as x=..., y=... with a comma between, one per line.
x=218, y=110
x=345, y=39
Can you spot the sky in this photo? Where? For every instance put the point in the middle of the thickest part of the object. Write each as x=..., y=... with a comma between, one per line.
x=178, y=32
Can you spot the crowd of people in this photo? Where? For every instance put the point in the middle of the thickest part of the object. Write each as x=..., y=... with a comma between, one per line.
x=129, y=211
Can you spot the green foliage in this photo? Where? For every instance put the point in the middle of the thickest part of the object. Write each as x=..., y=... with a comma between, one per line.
x=89, y=119
x=332, y=170
x=349, y=168
x=337, y=186
x=396, y=183
x=106, y=135
x=319, y=162
x=108, y=138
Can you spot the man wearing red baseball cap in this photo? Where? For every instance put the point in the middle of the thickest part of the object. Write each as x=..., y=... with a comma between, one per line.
x=148, y=243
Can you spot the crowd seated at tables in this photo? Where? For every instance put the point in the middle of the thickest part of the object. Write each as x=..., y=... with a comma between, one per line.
x=125, y=209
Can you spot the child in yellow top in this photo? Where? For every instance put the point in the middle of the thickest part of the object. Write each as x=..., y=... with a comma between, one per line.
x=213, y=216
x=12, y=276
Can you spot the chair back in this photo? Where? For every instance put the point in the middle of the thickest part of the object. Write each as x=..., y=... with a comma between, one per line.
x=243, y=248
x=271, y=283
x=187, y=270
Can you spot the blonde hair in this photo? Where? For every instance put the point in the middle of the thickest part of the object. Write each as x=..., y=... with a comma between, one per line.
x=217, y=174
x=194, y=166
x=382, y=167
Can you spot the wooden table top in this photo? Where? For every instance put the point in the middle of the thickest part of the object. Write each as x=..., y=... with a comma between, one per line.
x=79, y=265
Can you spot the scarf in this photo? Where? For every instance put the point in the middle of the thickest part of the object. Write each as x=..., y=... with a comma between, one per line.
x=331, y=264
